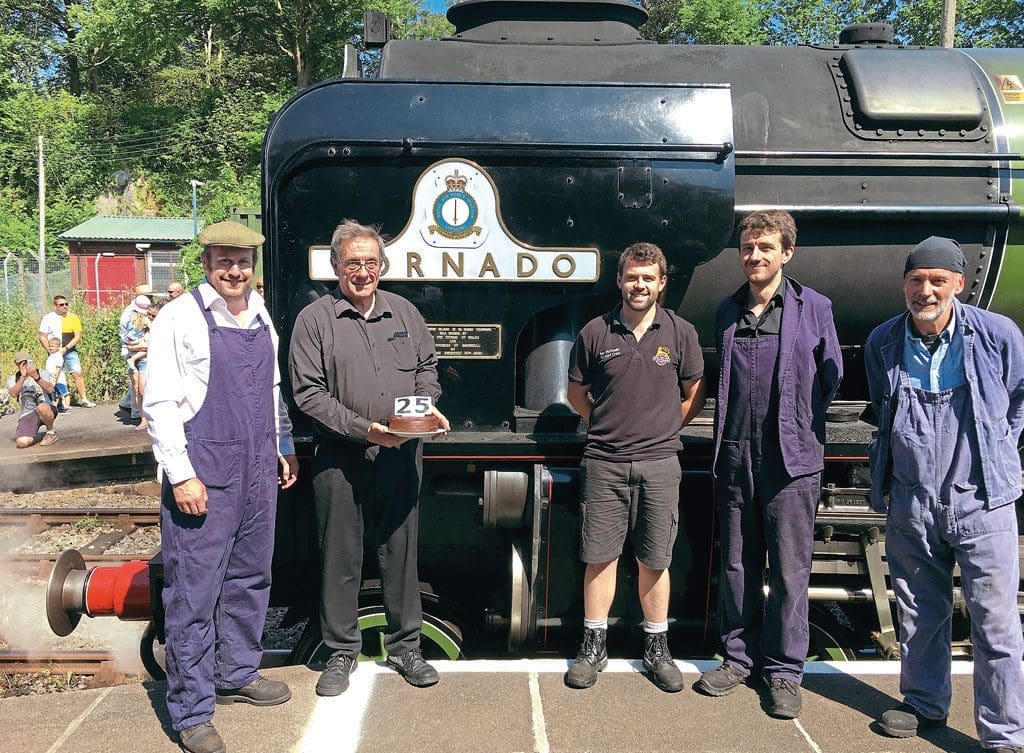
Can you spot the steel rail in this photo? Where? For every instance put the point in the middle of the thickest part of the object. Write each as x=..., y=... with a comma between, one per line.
x=61, y=515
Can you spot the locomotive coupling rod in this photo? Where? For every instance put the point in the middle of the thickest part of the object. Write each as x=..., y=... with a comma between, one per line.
x=951, y=156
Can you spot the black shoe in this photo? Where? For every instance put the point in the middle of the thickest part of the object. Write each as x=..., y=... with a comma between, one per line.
x=658, y=662
x=414, y=668
x=1007, y=749
x=721, y=680
x=591, y=659
x=334, y=679
x=906, y=721
x=201, y=738
x=784, y=698
x=260, y=692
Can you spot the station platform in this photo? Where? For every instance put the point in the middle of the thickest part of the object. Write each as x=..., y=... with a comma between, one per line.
x=501, y=707
x=96, y=445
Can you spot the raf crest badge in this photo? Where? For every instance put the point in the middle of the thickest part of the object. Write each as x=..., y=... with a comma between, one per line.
x=455, y=211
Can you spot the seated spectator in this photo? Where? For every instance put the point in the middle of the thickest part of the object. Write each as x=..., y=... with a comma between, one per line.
x=32, y=387
x=55, y=367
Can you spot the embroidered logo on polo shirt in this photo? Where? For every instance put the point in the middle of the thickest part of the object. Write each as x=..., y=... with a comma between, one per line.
x=606, y=355
x=663, y=357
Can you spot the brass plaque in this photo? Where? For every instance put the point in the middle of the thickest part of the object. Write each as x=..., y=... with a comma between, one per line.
x=467, y=341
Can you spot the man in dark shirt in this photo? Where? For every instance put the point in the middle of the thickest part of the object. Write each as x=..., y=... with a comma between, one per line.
x=635, y=376
x=353, y=352
x=780, y=369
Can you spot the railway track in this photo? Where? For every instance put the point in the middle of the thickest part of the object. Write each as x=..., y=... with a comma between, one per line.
x=78, y=662
x=112, y=526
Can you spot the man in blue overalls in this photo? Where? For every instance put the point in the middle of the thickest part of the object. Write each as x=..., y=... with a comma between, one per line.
x=947, y=385
x=780, y=369
x=223, y=440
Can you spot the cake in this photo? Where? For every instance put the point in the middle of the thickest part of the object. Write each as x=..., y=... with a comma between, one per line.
x=414, y=424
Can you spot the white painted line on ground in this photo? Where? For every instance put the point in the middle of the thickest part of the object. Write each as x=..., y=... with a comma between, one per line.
x=540, y=731
x=808, y=738
x=336, y=724
x=76, y=723
x=547, y=666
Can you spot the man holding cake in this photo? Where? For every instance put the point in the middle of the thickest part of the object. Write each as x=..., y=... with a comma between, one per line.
x=354, y=352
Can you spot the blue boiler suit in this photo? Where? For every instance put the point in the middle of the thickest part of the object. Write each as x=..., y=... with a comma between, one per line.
x=217, y=566
x=769, y=453
x=940, y=515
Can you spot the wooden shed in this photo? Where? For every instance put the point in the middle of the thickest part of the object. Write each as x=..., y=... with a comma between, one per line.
x=111, y=255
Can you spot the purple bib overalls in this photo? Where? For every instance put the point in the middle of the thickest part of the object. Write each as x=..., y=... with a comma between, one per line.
x=217, y=566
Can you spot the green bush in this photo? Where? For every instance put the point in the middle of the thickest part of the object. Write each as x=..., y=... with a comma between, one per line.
x=100, y=348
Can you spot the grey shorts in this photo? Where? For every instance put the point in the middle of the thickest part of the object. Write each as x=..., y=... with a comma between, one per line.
x=640, y=498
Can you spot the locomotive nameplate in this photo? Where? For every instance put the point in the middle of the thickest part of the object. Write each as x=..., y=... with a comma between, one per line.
x=455, y=233
x=467, y=341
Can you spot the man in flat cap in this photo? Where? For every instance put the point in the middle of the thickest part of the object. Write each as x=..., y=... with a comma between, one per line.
x=947, y=385
x=223, y=440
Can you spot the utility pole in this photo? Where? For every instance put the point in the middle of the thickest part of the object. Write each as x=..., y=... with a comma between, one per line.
x=42, y=227
x=948, y=22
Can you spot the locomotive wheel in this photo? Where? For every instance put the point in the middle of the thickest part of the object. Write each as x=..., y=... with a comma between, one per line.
x=152, y=657
x=829, y=640
x=440, y=639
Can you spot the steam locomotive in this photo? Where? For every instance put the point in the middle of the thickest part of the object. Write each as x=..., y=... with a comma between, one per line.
x=509, y=165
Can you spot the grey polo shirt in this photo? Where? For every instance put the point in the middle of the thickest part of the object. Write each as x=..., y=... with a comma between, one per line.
x=636, y=386
x=346, y=371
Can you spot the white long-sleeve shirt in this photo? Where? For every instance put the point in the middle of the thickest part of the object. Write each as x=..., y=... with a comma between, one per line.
x=179, y=372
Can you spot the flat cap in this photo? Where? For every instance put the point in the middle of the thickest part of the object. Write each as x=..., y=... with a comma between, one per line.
x=229, y=233
x=22, y=355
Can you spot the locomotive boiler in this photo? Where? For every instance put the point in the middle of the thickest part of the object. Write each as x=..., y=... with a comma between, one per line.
x=511, y=163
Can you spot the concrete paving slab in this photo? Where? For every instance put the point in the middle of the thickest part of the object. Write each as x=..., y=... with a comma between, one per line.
x=499, y=707
x=33, y=724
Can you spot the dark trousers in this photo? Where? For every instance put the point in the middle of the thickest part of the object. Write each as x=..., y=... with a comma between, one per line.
x=764, y=512
x=356, y=486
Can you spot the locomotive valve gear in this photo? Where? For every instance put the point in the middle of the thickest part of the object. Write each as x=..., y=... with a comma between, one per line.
x=334, y=679
x=591, y=659
x=945, y=464
x=635, y=376
x=780, y=369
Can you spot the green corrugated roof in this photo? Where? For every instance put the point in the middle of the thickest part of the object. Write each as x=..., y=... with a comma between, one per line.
x=106, y=228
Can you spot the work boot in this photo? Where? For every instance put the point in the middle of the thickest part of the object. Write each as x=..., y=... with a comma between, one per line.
x=784, y=700
x=721, y=680
x=334, y=679
x=260, y=692
x=414, y=668
x=906, y=721
x=591, y=659
x=658, y=662
x=201, y=738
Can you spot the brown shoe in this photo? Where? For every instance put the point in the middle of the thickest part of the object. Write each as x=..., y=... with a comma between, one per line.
x=260, y=692
x=48, y=439
x=201, y=738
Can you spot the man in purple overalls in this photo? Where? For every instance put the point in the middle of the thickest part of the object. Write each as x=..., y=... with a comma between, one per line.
x=223, y=440
x=947, y=385
x=780, y=369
